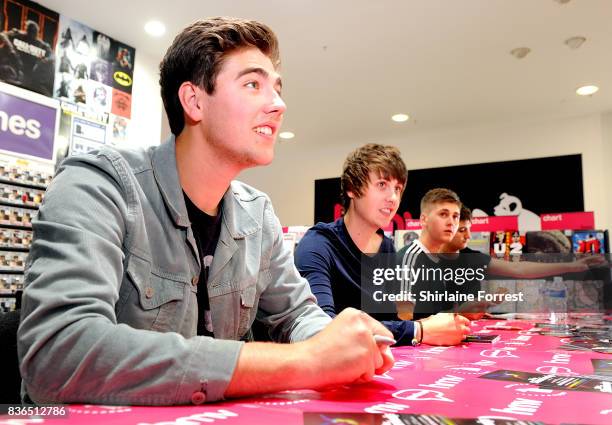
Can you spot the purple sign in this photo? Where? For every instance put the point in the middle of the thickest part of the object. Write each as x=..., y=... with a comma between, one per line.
x=26, y=127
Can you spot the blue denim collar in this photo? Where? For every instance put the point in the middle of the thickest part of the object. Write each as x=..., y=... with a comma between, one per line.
x=236, y=215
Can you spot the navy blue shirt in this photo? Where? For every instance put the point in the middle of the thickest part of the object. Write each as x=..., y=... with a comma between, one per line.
x=331, y=262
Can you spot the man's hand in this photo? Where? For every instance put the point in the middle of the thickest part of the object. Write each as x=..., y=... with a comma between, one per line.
x=590, y=261
x=474, y=310
x=445, y=329
x=345, y=351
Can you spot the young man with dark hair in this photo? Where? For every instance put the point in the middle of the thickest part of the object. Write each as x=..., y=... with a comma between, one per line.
x=331, y=255
x=148, y=267
x=440, y=209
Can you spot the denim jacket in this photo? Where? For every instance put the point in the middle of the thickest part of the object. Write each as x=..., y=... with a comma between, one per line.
x=109, y=310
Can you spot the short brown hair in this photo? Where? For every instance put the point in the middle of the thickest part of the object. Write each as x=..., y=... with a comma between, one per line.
x=198, y=52
x=381, y=159
x=438, y=195
x=465, y=214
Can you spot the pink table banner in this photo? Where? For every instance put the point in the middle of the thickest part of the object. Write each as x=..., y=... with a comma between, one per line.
x=528, y=378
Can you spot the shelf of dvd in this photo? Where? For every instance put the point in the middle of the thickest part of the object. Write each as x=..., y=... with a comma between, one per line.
x=22, y=189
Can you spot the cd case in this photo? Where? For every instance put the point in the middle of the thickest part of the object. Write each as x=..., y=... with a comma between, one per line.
x=482, y=338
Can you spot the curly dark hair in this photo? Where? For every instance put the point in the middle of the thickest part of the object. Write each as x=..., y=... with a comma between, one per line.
x=197, y=55
x=382, y=159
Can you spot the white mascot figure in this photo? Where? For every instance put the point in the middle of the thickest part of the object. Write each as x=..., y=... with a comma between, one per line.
x=511, y=205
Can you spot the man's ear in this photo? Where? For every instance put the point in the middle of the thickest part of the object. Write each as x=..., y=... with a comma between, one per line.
x=350, y=194
x=423, y=219
x=190, y=96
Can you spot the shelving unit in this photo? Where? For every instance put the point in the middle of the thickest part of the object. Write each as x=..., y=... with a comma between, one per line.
x=22, y=189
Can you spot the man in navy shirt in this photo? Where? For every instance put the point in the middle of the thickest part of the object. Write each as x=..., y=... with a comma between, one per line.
x=330, y=255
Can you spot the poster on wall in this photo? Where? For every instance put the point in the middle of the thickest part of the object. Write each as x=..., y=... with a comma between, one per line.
x=69, y=112
x=523, y=188
x=94, y=77
x=28, y=124
x=92, y=68
x=86, y=135
x=118, y=130
x=28, y=35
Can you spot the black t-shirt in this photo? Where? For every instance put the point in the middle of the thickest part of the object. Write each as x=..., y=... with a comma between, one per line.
x=467, y=259
x=477, y=256
x=431, y=287
x=206, y=230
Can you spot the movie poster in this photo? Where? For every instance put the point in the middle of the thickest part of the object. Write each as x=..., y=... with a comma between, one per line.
x=500, y=244
x=549, y=242
x=93, y=79
x=507, y=244
x=27, y=38
x=589, y=242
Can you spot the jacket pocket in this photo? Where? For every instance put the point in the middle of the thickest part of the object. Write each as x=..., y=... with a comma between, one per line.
x=247, y=302
x=157, y=301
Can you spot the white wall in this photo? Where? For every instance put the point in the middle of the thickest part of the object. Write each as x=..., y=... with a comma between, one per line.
x=145, y=125
x=165, y=126
x=290, y=179
x=606, y=159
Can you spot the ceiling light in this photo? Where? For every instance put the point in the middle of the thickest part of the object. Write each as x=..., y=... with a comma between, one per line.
x=575, y=42
x=587, y=90
x=400, y=117
x=520, y=52
x=286, y=135
x=155, y=28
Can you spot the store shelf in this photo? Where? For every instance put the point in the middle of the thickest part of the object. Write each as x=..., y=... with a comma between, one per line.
x=23, y=184
x=18, y=205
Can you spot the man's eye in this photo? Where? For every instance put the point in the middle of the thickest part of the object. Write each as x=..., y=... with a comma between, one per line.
x=252, y=84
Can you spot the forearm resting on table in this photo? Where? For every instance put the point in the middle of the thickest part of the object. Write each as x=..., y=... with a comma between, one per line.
x=269, y=367
x=533, y=270
x=344, y=352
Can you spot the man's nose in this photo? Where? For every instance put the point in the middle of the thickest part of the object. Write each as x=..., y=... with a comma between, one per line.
x=277, y=104
x=394, y=195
